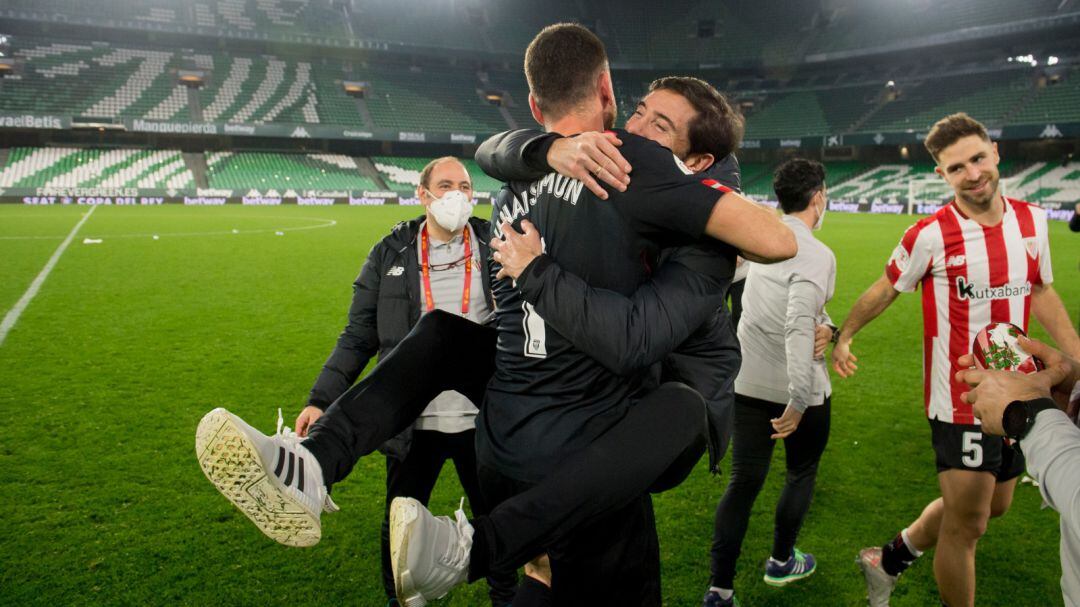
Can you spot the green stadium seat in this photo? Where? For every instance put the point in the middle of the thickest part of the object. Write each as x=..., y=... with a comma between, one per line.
x=244, y=170
x=106, y=168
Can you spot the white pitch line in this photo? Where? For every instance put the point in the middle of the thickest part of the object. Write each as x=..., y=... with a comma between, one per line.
x=13, y=315
x=327, y=223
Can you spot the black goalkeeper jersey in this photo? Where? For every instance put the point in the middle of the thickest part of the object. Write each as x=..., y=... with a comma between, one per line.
x=547, y=399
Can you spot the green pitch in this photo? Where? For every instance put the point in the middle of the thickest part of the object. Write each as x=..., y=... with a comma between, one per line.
x=132, y=340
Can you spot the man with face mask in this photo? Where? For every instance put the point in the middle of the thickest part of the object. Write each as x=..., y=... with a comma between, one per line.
x=434, y=262
x=729, y=217
x=782, y=390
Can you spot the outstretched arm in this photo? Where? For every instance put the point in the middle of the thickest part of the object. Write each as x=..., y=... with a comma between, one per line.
x=869, y=306
x=527, y=155
x=756, y=231
x=515, y=155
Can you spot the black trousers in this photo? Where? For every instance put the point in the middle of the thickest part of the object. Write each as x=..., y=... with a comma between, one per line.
x=391, y=398
x=751, y=455
x=653, y=448
x=442, y=352
x=735, y=293
x=593, y=517
x=415, y=477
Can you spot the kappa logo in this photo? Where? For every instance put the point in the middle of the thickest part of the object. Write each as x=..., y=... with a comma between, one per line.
x=300, y=132
x=955, y=261
x=1051, y=132
x=395, y=271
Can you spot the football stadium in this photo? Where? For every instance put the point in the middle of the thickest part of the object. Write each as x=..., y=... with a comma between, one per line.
x=190, y=188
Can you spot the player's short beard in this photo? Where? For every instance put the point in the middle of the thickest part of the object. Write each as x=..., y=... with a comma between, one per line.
x=981, y=200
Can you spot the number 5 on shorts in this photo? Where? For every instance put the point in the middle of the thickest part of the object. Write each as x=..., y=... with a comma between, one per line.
x=973, y=451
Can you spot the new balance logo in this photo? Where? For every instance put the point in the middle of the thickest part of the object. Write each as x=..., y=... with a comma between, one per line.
x=293, y=459
x=955, y=261
x=395, y=271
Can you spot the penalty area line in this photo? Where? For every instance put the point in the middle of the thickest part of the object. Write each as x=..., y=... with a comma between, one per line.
x=14, y=313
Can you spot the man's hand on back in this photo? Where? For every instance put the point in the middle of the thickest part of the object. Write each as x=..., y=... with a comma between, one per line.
x=516, y=251
x=822, y=337
x=588, y=157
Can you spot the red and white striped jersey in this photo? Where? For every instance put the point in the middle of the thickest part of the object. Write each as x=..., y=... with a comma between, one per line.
x=971, y=275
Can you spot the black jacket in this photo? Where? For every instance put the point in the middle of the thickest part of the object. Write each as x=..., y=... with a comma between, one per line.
x=385, y=306
x=687, y=330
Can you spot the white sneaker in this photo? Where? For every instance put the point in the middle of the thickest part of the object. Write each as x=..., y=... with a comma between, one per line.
x=879, y=584
x=429, y=554
x=273, y=480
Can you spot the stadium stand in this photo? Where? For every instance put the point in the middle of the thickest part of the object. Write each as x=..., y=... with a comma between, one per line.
x=1045, y=182
x=516, y=95
x=403, y=174
x=131, y=168
x=1058, y=102
x=859, y=25
x=757, y=178
x=280, y=171
x=987, y=97
x=79, y=167
x=786, y=115
x=141, y=82
x=438, y=99
x=111, y=82
x=315, y=17
x=260, y=90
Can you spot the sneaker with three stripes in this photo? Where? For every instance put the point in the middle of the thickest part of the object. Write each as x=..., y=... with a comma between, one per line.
x=797, y=567
x=273, y=480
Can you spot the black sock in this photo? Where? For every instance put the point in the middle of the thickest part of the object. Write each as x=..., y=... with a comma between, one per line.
x=895, y=556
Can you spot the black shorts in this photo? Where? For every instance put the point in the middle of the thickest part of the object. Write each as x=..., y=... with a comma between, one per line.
x=965, y=447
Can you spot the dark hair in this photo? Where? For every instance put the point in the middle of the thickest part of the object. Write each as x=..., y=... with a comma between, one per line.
x=795, y=183
x=561, y=65
x=951, y=129
x=718, y=127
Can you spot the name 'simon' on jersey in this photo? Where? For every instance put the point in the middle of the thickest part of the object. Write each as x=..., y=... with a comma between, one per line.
x=555, y=184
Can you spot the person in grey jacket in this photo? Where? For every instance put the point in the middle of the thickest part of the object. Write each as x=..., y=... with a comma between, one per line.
x=1027, y=408
x=782, y=390
x=435, y=262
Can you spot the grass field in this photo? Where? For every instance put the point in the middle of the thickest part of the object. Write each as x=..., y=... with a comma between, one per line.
x=131, y=341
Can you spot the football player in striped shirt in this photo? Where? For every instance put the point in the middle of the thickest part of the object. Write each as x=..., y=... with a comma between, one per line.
x=981, y=259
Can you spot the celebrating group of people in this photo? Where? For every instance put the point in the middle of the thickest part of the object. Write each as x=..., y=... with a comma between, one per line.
x=574, y=356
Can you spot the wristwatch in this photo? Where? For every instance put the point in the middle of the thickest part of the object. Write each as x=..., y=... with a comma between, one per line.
x=835, y=334
x=1019, y=416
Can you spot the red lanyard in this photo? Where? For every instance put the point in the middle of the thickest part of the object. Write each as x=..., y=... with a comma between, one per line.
x=425, y=271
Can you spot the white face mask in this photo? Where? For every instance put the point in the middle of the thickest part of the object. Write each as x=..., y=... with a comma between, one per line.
x=452, y=211
x=821, y=217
